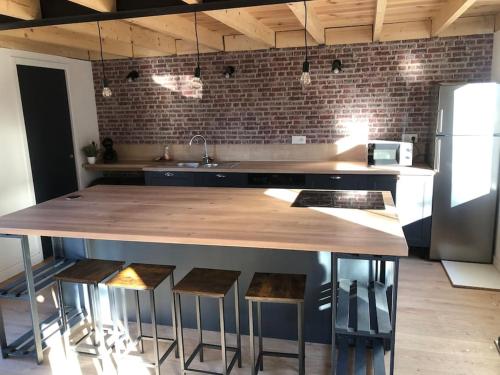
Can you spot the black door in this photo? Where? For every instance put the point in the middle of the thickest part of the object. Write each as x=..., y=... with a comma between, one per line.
x=48, y=128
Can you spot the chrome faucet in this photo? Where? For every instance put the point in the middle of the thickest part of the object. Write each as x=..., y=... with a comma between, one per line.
x=206, y=159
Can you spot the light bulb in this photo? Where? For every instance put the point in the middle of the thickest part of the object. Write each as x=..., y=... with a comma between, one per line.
x=196, y=83
x=106, y=91
x=305, y=78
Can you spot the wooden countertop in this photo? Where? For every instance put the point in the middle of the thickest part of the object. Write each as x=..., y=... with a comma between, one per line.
x=305, y=167
x=254, y=218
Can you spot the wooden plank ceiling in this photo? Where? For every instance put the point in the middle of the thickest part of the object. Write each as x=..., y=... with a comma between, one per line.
x=271, y=26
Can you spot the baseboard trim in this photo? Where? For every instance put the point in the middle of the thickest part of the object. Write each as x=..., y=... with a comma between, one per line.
x=496, y=262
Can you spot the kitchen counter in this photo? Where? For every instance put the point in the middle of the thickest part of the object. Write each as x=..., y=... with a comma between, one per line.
x=305, y=167
x=251, y=218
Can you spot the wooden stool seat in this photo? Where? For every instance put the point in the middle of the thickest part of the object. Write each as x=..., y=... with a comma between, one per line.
x=138, y=276
x=89, y=271
x=277, y=287
x=207, y=282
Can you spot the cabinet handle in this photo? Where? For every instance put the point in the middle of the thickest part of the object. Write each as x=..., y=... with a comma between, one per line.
x=335, y=178
x=169, y=174
x=219, y=175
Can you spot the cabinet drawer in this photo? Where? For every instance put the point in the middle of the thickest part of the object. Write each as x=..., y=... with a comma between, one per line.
x=169, y=179
x=336, y=181
x=214, y=179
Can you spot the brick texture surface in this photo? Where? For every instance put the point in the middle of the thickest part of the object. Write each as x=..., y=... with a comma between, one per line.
x=384, y=88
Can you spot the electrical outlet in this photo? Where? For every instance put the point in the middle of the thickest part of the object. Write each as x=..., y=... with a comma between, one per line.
x=410, y=137
x=298, y=139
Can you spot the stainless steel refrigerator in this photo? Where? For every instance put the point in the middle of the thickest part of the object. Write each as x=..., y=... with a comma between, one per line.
x=466, y=162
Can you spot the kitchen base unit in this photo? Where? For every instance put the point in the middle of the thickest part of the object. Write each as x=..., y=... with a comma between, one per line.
x=267, y=220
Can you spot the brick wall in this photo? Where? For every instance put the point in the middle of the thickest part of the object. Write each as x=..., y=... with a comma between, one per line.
x=384, y=87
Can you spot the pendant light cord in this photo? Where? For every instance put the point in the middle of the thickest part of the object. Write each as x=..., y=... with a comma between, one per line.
x=305, y=26
x=197, y=43
x=102, y=57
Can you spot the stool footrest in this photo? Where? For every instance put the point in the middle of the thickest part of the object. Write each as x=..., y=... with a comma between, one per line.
x=237, y=354
x=278, y=354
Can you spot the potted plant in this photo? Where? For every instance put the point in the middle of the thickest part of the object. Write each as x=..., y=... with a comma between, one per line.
x=91, y=152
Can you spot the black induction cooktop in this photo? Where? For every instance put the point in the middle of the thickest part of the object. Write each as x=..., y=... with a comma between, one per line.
x=361, y=200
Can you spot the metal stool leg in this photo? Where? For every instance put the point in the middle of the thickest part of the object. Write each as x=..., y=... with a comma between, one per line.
x=125, y=316
x=92, y=314
x=114, y=317
x=155, y=331
x=62, y=311
x=252, y=344
x=300, y=317
x=180, y=337
x=200, y=329
x=139, y=322
x=237, y=320
x=259, y=332
x=174, y=318
x=100, y=330
x=223, y=336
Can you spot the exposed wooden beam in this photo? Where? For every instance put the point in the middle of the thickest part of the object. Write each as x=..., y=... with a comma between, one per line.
x=126, y=33
x=349, y=35
x=406, y=30
x=379, y=19
x=68, y=38
x=243, y=22
x=181, y=28
x=99, y=5
x=448, y=14
x=22, y=9
x=144, y=40
x=50, y=49
x=314, y=26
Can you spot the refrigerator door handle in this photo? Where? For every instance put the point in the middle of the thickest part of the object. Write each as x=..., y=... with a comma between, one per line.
x=437, y=155
x=439, y=127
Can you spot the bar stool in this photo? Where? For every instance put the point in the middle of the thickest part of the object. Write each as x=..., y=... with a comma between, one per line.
x=275, y=288
x=89, y=272
x=145, y=277
x=202, y=282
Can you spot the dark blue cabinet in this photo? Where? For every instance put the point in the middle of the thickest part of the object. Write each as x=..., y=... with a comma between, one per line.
x=170, y=178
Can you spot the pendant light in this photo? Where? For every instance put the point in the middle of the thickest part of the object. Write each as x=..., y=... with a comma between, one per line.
x=106, y=90
x=305, y=78
x=197, y=83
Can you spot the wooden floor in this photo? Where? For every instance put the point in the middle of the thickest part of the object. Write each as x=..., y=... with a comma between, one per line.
x=441, y=330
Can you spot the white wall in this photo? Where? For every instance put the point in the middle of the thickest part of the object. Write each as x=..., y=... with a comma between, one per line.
x=16, y=186
x=495, y=76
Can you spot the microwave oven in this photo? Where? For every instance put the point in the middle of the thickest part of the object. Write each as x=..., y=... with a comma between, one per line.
x=390, y=153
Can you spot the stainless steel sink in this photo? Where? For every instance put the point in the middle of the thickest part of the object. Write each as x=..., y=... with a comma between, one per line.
x=188, y=165
x=194, y=164
x=210, y=165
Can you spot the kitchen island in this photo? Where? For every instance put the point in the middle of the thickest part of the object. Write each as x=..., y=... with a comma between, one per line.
x=227, y=217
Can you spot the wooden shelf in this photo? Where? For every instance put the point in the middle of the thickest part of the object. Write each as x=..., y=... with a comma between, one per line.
x=363, y=310
x=15, y=288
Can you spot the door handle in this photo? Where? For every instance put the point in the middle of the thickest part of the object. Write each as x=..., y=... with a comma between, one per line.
x=335, y=178
x=71, y=156
x=169, y=174
x=219, y=175
x=437, y=155
x=440, y=121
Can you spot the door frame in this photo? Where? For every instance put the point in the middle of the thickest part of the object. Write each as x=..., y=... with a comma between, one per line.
x=51, y=65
